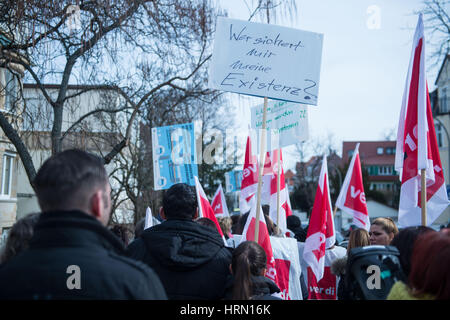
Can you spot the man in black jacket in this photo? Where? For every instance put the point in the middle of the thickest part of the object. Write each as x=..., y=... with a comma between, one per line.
x=72, y=255
x=190, y=259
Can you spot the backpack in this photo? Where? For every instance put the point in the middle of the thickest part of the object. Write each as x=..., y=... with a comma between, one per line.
x=372, y=271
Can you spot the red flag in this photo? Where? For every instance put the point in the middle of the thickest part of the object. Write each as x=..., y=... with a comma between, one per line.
x=284, y=210
x=416, y=144
x=320, y=234
x=249, y=183
x=204, y=207
x=263, y=240
x=266, y=179
x=219, y=203
x=352, y=198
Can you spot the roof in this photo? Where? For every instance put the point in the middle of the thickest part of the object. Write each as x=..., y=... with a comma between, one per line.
x=368, y=152
x=447, y=57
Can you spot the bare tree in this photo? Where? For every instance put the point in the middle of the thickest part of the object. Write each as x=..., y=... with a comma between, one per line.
x=437, y=23
x=136, y=47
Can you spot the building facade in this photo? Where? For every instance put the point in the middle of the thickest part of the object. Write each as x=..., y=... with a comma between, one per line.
x=10, y=84
x=379, y=159
x=95, y=134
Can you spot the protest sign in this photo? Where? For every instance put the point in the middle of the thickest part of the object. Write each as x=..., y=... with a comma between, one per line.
x=266, y=61
x=174, y=155
x=286, y=123
x=233, y=180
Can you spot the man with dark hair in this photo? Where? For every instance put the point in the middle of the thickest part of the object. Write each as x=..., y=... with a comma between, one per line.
x=190, y=259
x=72, y=254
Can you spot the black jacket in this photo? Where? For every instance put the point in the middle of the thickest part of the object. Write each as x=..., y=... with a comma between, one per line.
x=190, y=259
x=338, y=267
x=73, y=238
x=262, y=289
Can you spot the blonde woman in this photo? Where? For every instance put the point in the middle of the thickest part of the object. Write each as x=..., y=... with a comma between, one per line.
x=382, y=231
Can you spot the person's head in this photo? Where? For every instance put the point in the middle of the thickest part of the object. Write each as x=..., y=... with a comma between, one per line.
x=430, y=265
x=293, y=222
x=19, y=236
x=207, y=223
x=248, y=259
x=225, y=225
x=239, y=227
x=358, y=238
x=74, y=180
x=179, y=202
x=139, y=228
x=382, y=231
x=121, y=232
x=404, y=242
x=234, y=222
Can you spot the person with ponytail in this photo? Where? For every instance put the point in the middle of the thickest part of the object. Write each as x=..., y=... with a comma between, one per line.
x=248, y=266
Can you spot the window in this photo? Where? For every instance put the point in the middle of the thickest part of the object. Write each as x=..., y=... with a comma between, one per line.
x=8, y=166
x=390, y=150
x=350, y=153
x=385, y=170
x=438, y=129
x=11, y=90
x=443, y=101
x=380, y=150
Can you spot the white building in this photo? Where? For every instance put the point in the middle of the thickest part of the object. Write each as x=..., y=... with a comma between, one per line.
x=96, y=133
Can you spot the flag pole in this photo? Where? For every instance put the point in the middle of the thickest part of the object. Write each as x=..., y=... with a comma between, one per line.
x=278, y=186
x=261, y=168
x=423, y=196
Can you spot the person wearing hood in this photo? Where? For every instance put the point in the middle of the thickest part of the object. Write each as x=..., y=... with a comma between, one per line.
x=72, y=255
x=248, y=282
x=295, y=225
x=190, y=259
x=358, y=238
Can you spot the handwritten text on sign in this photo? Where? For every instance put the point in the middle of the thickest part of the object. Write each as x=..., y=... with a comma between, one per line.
x=286, y=123
x=266, y=60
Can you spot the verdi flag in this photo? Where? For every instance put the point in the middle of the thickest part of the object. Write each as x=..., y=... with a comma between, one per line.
x=248, y=234
x=352, y=198
x=266, y=179
x=249, y=183
x=284, y=211
x=320, y=234
x=417, y=147
x=219, y=203
x=204, y=208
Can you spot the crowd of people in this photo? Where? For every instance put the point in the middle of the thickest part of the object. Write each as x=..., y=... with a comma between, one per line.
x=67, y=251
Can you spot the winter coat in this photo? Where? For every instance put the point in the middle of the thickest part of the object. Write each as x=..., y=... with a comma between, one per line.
x=401, y=291
x=262, y=289
x=337, y=268
x=73, y=256
x=190, y=259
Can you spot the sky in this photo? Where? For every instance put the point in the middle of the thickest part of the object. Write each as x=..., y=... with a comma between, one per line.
x=365, y=57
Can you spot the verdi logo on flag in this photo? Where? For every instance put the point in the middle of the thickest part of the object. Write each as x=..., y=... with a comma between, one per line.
x=321, y=228
x=219, y=203
x=352, y=198
x=263, y=240
x=249, y=183
x=417, y=147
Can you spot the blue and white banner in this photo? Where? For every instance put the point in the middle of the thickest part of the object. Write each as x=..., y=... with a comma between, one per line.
x=174, y=155
x=233, y=180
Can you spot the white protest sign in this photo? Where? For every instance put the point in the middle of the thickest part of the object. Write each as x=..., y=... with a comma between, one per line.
x=266, y=60
x=286, y=123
